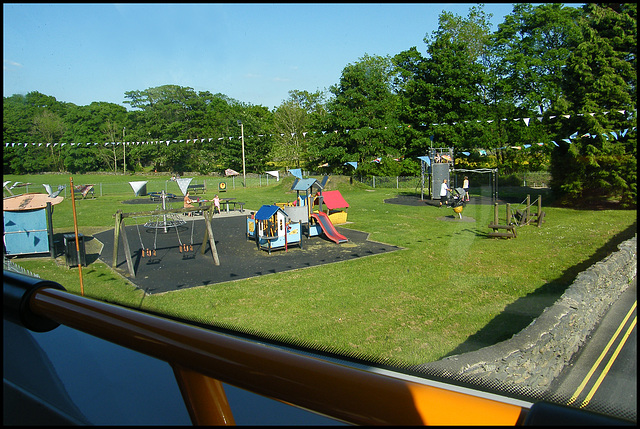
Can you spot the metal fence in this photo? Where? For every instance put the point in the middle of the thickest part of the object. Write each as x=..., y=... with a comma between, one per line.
x=398, y=182
x=212, y=184
x=9, y=265
x=153, y=185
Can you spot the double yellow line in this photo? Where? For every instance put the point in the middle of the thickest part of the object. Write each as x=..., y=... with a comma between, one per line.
x=601, y=358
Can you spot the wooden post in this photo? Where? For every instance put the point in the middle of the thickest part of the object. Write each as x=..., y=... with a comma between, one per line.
x=116, y=237
x=508, y=214
x=495, y=214
x=212, y=241
x=52, y=247
x=539, y=204
x=527, y=211
x=127, y=250
x=540, y=212
x=75, y=228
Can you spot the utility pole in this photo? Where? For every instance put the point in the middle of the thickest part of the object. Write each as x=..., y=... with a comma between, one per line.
x=124, y=171
x=244, y=174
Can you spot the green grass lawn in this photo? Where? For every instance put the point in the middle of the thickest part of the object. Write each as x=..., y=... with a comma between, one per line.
x=450, y=290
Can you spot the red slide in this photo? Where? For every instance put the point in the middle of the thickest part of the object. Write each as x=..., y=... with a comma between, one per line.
x=328, y=228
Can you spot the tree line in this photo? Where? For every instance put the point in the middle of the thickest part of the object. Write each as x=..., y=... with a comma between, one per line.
x=466, y=92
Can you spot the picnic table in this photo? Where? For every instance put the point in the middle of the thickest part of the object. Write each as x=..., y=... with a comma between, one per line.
x=226, y=201
x=157, y=196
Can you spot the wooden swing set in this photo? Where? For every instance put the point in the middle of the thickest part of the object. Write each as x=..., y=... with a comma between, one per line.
x=120, y=217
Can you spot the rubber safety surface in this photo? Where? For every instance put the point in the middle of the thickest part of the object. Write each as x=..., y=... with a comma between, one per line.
x=171, y=270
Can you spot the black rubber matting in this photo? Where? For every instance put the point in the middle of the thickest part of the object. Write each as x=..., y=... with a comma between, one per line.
x=240, y=258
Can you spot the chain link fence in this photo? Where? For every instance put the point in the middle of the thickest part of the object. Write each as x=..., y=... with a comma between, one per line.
x=212, y=184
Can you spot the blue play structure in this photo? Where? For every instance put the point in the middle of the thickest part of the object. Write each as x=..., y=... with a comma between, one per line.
x=305, y=198
x=272, y=229
x=26, y=232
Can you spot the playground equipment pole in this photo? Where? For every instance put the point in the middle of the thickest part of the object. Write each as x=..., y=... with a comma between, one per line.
x=75, y=227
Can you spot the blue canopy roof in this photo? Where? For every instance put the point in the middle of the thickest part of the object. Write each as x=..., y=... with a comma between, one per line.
x=304, y=184
x=267, y=211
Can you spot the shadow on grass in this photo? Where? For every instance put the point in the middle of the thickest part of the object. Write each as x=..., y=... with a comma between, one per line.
x=519, y=314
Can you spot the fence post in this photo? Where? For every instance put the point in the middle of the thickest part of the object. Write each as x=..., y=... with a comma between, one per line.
x=495, y=213
x=374, y=182
x=508, y=213
x=540, y=212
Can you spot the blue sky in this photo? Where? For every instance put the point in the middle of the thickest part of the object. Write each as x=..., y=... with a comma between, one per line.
x=254, y=53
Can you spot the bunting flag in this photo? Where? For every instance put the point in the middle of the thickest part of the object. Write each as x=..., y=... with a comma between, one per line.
x=354, y=164
x=425, y=159
x=297, y=172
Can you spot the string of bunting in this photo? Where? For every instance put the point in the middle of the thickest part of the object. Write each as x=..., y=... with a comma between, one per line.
x=611, y=134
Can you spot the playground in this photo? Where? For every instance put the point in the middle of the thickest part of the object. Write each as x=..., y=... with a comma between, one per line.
x=400, y=298
x=172, y=269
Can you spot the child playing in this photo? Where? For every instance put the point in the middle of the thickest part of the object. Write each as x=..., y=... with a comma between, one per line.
x=216, y=204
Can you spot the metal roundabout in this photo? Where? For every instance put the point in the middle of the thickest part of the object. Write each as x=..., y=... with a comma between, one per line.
x=166, y=220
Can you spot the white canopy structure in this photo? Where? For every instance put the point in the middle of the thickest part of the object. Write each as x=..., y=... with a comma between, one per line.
x=183, y=184
x=139, y=188
x=274, y=173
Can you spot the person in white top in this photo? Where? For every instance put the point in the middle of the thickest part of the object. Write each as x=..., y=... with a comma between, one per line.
x=444, y=189
x=465, y=186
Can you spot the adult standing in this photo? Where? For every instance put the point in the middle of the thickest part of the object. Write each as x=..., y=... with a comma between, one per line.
x=465, y=186
x=444, y=189
x=188, y=203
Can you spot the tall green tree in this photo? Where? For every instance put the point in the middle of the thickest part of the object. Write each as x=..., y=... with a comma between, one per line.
x=531, y=48
x=49, y=127
x=292, y=121
x=362, y=114
x=447, y=86
x=601, y=76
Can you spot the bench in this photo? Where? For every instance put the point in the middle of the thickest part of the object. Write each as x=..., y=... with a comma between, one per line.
x=496, y=233
x=239, y=204
x=197, y=188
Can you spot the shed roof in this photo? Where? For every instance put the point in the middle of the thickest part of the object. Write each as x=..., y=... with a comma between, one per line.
x=334, y=200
